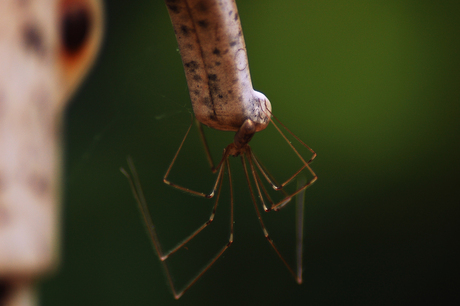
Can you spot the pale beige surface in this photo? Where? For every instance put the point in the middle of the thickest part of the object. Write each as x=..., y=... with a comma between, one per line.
x=39, y=69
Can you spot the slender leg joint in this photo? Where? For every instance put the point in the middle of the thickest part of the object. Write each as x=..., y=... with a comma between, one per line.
x=210, y=220
x=230, y=240
x=208, y=196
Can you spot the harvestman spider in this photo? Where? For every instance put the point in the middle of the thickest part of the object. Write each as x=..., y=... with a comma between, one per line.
x=239, y=147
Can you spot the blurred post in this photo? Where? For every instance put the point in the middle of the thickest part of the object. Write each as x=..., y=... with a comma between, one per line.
x=46, y=46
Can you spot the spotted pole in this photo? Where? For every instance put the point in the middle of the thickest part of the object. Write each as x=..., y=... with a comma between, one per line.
x=46, y=46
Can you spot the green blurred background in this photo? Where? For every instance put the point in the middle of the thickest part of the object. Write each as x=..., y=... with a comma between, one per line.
x=371, y=86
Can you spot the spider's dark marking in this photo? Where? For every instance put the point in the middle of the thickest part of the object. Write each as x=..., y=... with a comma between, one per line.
x=203, y=23
x=191, y=66
x=207, y=102
x=213, y=116
x=202, y=6
x=171, y=4
x=185, y=30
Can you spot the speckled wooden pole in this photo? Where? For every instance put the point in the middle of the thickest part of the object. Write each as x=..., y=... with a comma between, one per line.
x=46, y=46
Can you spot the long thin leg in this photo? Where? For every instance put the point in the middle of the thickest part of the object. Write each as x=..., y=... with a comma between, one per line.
x=252, y=159
x=299, y=213
x=264, y=229
x=140, y=199
x=300, y=204
x=305, y=164
x=287, y=198
x=205, y=145
x=295, y=136
x=271, y=181
x=201, y=194
x=191, y=236
x=139, y=196
x=256, y=180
